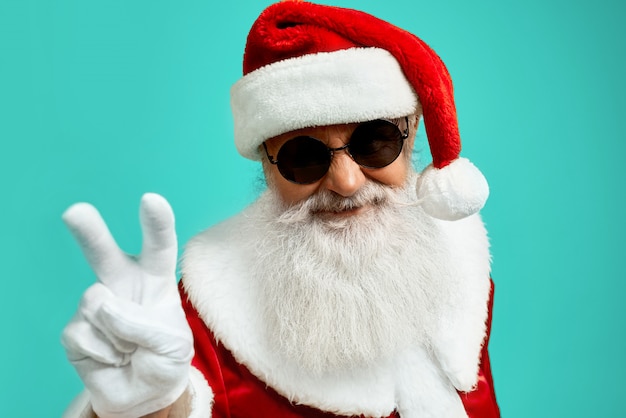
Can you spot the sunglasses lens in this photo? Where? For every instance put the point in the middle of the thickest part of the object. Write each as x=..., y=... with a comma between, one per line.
x=303, y=160
x=376, y=144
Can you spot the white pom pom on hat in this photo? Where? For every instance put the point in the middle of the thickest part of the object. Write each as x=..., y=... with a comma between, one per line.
x=310, y=65
x=452, y=192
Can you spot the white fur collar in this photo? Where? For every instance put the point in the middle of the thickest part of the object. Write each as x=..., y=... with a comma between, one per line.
x=418, y=382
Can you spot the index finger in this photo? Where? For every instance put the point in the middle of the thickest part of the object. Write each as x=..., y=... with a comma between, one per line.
x=95, y=240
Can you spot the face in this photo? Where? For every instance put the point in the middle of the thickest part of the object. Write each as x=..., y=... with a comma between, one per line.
x=345, y=177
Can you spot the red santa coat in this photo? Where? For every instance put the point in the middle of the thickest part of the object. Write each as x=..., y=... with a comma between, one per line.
x=237, y=393
x=450, y=378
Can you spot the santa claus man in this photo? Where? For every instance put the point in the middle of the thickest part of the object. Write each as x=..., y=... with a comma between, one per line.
x=340, y=291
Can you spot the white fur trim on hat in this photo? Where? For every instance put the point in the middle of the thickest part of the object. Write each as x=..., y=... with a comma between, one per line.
x=349, y=85
x=453, y=192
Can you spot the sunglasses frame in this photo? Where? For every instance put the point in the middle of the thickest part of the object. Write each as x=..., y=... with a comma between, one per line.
x=331, y=151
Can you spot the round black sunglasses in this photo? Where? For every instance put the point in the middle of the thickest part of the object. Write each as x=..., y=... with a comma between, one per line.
x=373, y=144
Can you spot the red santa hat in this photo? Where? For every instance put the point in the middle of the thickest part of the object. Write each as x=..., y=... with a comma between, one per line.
x=312, y=65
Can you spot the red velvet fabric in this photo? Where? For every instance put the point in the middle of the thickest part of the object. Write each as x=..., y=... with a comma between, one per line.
x=240, y=394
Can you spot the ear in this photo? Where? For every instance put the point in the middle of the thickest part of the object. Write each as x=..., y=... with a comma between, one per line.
x=416, y=121
x=413, y=125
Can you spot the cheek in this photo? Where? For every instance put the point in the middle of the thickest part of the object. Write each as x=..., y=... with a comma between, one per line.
x=395, y=174
x=288, y=192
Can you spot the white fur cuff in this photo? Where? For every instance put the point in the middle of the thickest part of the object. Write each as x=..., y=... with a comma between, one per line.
x=200, y=396
x=196, y=402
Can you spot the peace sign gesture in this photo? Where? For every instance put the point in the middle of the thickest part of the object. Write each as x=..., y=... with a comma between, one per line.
x=129, y=340
x=141, y=279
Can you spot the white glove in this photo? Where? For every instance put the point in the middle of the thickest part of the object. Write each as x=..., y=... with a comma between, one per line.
x=129, y=340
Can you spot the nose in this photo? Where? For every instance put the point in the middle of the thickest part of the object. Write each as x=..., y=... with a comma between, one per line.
x=344, y=176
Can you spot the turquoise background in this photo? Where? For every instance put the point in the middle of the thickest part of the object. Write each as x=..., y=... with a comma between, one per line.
x=101, y=101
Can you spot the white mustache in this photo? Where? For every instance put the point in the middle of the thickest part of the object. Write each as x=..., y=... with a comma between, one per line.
x=371, y=194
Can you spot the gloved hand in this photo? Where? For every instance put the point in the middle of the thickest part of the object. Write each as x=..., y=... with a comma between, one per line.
x=129, y=340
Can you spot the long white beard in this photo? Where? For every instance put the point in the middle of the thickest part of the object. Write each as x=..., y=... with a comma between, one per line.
x=343, y=293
